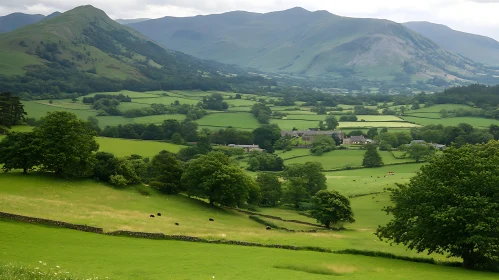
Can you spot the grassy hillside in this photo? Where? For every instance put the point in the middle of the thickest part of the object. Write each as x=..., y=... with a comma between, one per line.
x=479, y=48
x=84, y=49
x=309, y=43
x=127, y=258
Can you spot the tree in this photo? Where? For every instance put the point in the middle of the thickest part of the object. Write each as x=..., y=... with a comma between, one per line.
x=19, y=151
x=270, y=188
x=372, y=157
x=419, y=152
x=165, y=172
x=67, y=144
x=331, y=122
x=311, y=173
x=321, y=126
x=372, y=132
x=261, y=112
x=213, y=176
x=330, y=207
x=322, y=144
x=266, y=136
x=177, y=138
x=11, y=110
x=451, y=206
x=296, y=191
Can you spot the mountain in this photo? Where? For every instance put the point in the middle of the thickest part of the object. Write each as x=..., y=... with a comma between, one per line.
x=300, y=42
x=83, y=50
x=129, y=21
x=16, y=20
x=479, y=48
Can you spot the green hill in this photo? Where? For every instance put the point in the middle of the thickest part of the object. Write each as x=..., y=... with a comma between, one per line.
x=300, y=42
x=479, y=48
x=83, y=50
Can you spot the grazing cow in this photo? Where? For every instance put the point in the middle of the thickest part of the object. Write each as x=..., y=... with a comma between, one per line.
x=152, y=216
x=268, y=228
x=211, y=220
x=176, y=224
x=159, y=214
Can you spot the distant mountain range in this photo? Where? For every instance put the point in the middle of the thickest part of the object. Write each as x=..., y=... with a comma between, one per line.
x=17, y=20
x=479, y=48
x=129, y=21
x=300, y=42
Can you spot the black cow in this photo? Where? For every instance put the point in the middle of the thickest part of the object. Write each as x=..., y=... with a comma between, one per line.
x=176, y=224
x=159, y=214
x=152, y=216
x=268, y=228
x=211, y=220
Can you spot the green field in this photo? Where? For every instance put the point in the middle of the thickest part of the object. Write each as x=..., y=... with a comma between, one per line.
x=127, y=147
x=475, y=122
x=377, y=124
x=237, y=120
x=128, y=258
x=339, y=158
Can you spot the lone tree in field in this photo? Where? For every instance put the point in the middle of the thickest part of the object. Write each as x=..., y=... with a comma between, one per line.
x=330, y=208
x=451, y=207
x=372, y=157
x=213, y=176
x=19, y=151
x=67, y=144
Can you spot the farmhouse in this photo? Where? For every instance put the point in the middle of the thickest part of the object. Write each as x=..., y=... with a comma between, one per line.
x=309, y=135
x=247, y=148
x=356, y=140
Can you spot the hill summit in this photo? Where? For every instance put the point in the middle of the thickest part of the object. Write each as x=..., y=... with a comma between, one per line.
x=84, y=50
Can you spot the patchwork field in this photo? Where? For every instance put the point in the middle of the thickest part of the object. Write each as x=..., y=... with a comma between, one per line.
x=126, y=147
x=475, y=122
x=237, y=120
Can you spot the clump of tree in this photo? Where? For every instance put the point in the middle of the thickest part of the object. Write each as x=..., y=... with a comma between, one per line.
x=11, y=110
x=371, y=157
x=231, y=136
x=348, y=118
x=20, y=151
x=451, y=207
x=419, y=151
x=266, y=136
x=331, y=122
x=216, y=178
x=460, y=135
x=270, y=189
x=331, y=208
x=215, y=102
x=165, y=172
x=119, y=171
x=265, y=162
x=322, y=144
x=303, y=182
x=361, y=110
x=261, y=112
x=390, y=140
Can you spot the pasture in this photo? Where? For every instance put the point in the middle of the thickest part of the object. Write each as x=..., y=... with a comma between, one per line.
x=97, y=204
x=129, y=258
x=236, y=120
x=127, y=147
x=475, y=122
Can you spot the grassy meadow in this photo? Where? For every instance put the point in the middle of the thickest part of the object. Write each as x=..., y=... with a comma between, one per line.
x=127, y=147
x=129, y=258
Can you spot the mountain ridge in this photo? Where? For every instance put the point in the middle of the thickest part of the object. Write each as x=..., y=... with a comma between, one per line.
x=480, y=48
x=301, y=42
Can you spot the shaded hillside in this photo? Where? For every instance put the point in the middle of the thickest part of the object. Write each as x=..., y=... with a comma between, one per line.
x=83, y=50
x=129, y=21
x=300, y=42
x=17, y=20
x=479, y=48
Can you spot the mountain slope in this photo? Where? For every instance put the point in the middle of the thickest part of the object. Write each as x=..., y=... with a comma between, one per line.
x=479, y=48
x=85, y=44
x=300, y=42
x=17, y=20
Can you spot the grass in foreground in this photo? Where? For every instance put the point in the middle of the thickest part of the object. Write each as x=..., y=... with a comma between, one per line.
x=38, y=272
x=130, y=258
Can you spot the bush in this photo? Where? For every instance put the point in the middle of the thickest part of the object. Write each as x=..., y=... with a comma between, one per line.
x=118, y=180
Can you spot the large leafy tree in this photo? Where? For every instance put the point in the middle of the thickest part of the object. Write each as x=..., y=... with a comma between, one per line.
x=270, y=188
x=266, y=136
x=11, y=110
x=331, y=122
x=419, y=152
x=296, y=191
x=451, y=206
x=67, y=144
x=331, y=208
x=166, y=172
x=372, y=158
x=213, y=176
x=19, y=151
x=311, y=173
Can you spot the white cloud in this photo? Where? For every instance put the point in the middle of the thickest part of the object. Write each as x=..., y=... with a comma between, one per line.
x=476, y=16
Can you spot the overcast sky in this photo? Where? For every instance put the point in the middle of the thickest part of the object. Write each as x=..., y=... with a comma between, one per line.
x=475, y=16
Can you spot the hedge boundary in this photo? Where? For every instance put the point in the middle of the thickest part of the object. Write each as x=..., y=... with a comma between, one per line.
x=274, y=217
x=162, y=236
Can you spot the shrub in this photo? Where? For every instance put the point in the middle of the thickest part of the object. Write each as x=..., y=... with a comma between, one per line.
x=118, y=180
